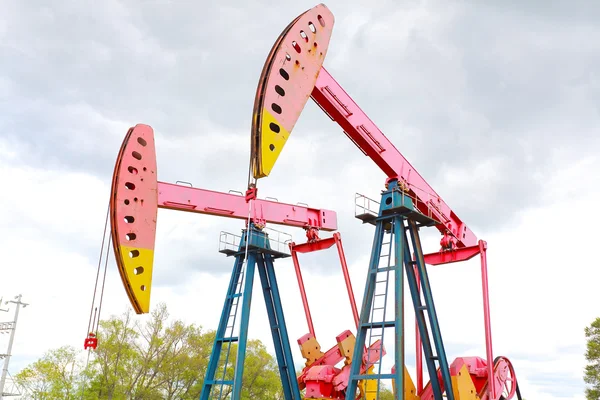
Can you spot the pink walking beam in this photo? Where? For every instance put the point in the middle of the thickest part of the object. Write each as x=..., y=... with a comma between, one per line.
x=334, y=100
x=184, y=198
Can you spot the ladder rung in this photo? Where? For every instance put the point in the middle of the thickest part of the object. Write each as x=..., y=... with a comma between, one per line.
x=383, y=324
x=229, y=339
x=233, y=296
x=391, y=268
x=220, y=382
x=422, y=308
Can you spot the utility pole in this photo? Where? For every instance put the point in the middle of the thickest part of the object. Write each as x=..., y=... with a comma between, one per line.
x=12, y=326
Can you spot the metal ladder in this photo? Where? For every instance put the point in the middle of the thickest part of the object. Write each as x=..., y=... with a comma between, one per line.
x=390, y=230
x=224, y=386
x=254, y=247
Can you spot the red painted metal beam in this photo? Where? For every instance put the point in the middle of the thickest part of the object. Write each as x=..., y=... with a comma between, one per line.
x=309, y=247
x=317, y=245
x=334, y=100
x=450, y=256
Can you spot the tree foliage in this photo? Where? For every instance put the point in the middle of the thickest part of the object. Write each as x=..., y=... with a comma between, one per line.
x=54, y=376
x=151, y=360
x=592, y=355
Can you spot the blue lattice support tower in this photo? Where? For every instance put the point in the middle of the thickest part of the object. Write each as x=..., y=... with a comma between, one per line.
x=253, y=252
x=397, y=215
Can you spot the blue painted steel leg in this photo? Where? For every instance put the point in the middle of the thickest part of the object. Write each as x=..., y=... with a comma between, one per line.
x=281, y=341
x=429, y=306
x=399, y=305
x=225, y=331
x=241, y=351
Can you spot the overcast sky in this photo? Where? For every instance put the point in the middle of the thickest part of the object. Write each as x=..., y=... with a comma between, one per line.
x=496, y=103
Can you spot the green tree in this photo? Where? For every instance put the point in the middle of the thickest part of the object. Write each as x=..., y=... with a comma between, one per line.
x=54, y=376
x=261, y=374
x=385, y=394
x=145, y=358
x=592, y=355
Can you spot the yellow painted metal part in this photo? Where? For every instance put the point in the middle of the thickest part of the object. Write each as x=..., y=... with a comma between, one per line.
x=311, y=351
x=463, y=386
x=346, y=348
x=271, y=143
x=410, y=391
x=138, y=269
x=368, y=387
x=286, y=83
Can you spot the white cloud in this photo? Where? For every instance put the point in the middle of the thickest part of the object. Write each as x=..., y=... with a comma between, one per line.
x=500, y=115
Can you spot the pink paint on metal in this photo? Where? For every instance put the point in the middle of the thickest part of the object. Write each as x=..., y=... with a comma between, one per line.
x=135, y=190
x=485, y=376
x=309, y=247
x=312, y=376
x=317, y=245
x=309, y=321
x=332, y=98
x=493, y=390
x=419, y=342
x=477, y=368
x=319, y=382
x=338, y=243
x=504, y=380
x=451, y=256
x=300, y=54
x=184, y=198
x=333, y=356
x=463, y=254
x=133, y=208
x=291, y=67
